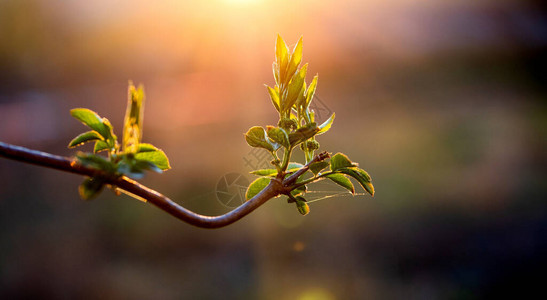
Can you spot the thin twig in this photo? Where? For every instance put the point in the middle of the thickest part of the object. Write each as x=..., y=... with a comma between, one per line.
x=274, y=189
x=292, y=179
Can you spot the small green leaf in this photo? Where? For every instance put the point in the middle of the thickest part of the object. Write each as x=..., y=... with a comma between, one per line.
x=256, y=137
x=84, y=138
x=145, y=147
x=140, y=164
x=303, y=133
x=364, y=174
x=281, y=58
x=157, y=157
x=369, y=188
x=276, y=73
x=91, y=119
x=111, y=138
x=274, y=96
x=146, y=165
x=316, y=167
x=90, y=188
x=360, y=177
x=342, y=181
x=127, y=168
x=310, y=92
x=299, y=190
x=95, y=161
x=100, y=146
x=302, y=206
x=134, y=168
x=296, y=58
x=256, y=187
x=340, y=160
x=300, y=100
x=326, y=125
x=132, y=129
x=278, y=135
x=264, y=172
x=296, y=88
x=293, y=167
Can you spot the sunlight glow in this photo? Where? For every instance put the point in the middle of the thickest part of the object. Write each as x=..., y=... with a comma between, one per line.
x=242, y=1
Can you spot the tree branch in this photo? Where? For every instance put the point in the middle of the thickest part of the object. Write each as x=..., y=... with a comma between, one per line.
x=162, y=202
x=275, y=188
x=292, y=179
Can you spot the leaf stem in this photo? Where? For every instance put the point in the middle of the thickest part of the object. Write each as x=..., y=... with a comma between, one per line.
x=276, y=161
x=286, y=158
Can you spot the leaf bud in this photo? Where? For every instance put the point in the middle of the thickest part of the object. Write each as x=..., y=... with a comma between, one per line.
x=312, y=145
x=287, y=123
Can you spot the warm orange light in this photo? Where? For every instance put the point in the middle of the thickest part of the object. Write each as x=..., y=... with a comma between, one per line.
x=242, y=1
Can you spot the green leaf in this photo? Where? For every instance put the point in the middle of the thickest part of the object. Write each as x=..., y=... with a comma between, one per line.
x=360, y=177
x=276, y=73
x=127, y=168
x=316, y=167
x=278, y=135
x=293, y=167
x=100, y=146
x=303, y=133
x=91, y=119
x=326, y=125
x=264, y=172
x=84, y=138
x=296, y=88
x=146, y=165
x=310, y=92
x=302, y=206
x=369, y=188
x=274, y=96
x=145, y=147
x=281, y=58
x=342, y=181
x=256, y=137
x=157, y=158
x=299, y=190
x=132, y=129
x=256, y=187
x=95, y=161
x=296, y=58
x=363, y=173
x=340, y=160
x=90, y=188
x=301, y=97
x=111, y=138
x=134, y=167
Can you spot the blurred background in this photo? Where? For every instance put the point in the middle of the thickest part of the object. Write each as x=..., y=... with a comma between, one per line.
x=442, y=102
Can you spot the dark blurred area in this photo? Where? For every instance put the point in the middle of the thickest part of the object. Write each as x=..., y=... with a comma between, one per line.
x=442, y=102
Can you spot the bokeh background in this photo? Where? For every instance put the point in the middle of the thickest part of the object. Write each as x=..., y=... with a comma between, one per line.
x=442, y=102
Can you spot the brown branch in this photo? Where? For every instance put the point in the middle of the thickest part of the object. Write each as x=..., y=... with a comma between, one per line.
x=289, y=181
x=274, y=189
x=162, y=202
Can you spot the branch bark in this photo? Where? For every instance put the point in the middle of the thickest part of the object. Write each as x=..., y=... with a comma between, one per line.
x=274, y=189
x=292, y=179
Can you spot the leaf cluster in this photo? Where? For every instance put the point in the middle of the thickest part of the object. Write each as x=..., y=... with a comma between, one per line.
x=291, y=97
x=132, y=158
